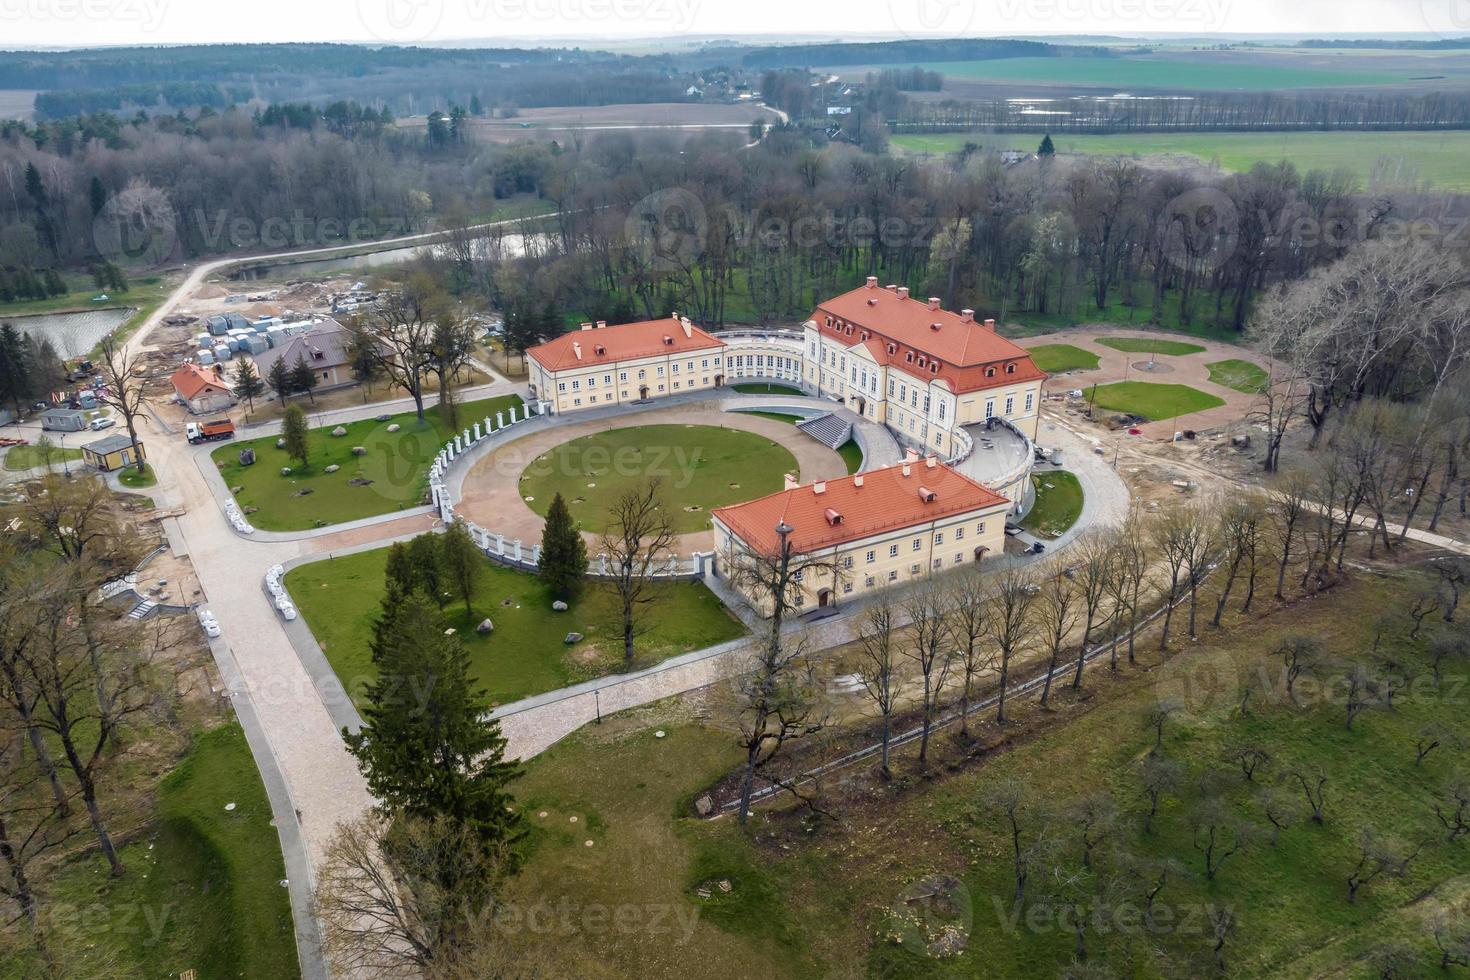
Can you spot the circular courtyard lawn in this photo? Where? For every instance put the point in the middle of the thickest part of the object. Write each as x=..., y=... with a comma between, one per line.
x=701, y=467
x=1151, y=400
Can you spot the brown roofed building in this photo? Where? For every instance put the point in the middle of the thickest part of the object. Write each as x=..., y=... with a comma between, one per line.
x=880, y=528
x=921, y=370
x=603, y=365
x=202, y=389
x=326, y=347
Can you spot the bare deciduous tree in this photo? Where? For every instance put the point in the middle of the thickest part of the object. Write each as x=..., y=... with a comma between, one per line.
x=637, y=538
x=124, y=374
x=880, y=665
x=1013, y=597
x=927, y=609
x=1056, y=614
x=968, y=608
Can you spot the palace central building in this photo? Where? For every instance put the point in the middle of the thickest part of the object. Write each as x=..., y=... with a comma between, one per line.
x=922, y=371
x=603, y=365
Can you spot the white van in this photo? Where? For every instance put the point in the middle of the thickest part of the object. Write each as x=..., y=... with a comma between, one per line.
x=105, y=422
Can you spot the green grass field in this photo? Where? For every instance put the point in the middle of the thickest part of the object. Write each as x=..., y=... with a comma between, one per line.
x=79, y=294
x=1058, y=504
x=525, y=654
x=203, y=886
x=1151, y=400
x=1239, y=374
x=767, y=388
x=1156, y=72
x=1150, y=345
x=131, y=478
x=19, y=458
x=1440, y=158
x=397, y=463
x=701, y=467
x=1056, y=358
x=814, y=898
x=852, y=455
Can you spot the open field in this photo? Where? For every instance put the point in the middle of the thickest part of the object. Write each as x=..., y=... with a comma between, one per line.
x=812, y=897
x=560, y=122
x=1056, y=358
x=203, y=890
x=702, y=467
x=1150, y=399
x=397, y=464
x=1442, y=158
x=1058, y=504
x=17, y=103
x=1148, y=345
x=1242, y=375
x=525, y=654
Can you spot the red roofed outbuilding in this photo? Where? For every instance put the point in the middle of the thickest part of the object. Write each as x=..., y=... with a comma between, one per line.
x=202, y=389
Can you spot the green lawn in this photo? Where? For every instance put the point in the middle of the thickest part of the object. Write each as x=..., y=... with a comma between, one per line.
x=701, y=466
x=28, y=457
x=130, y=477
x=1443, y=158
x=1241, y=375
x=525, y=655
x=767, y=388
x=777, y=416
x=1058, y=504
x=396, y=464
x=203, y=886
x=1056, y=358
x=1150, y=345
x=1151, y=400
x=852, y=455
x=814, y=898
x=1156, y=72
x=80, y=290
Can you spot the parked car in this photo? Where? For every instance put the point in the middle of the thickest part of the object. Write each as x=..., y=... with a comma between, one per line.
x=105, y=422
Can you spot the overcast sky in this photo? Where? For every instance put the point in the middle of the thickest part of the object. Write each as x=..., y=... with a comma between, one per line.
x=25, y=23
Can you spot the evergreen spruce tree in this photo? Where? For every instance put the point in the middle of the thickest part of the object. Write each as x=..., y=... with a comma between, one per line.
x=279, y=378
x=461, y=562
x=426, y=746
x=400, y=572
x=1046, y=149
x=423, y=554
x=247, y=382
x=303, y=378
x=563, y=552
x=293, y=430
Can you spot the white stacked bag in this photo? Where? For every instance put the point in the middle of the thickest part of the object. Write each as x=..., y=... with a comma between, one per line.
x=278, y=592
x=232, y=511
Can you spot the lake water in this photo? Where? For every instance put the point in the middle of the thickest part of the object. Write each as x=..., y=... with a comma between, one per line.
x=514, y=245
x=73, y=334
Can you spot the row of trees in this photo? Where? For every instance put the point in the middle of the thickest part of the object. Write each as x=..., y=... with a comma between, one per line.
x=30, y=368
x=81, y=687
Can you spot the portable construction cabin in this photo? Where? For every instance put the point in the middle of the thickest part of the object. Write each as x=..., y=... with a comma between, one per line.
x=217, y=323
x=221, y=352
x=64, y=419
x=112, y=453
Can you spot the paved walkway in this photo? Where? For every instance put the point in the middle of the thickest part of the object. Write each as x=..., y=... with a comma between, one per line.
x=1186, y=369
x=491, y=487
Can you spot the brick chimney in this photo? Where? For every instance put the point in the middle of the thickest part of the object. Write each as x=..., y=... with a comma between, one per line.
x=586, y=326
x=857, y=481
x=872, y=282
x=820, y=487
x=933, y=302
x=601, y=324
x=688, y=328
x=931, y=461
x=990, y=325
x=903, y=292
x=967, y=315
x=910, y=455
x=576, y=350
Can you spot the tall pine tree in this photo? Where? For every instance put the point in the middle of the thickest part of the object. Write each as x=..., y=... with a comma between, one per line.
x=427, y=746
x=563, y=552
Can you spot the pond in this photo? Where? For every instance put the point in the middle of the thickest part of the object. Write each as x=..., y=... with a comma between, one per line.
x=512, y=245
x=72, y=334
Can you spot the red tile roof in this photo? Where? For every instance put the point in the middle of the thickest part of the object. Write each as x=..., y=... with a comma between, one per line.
x=944, y=345
x=868, y=504
x=191, y=379
x=622, y=342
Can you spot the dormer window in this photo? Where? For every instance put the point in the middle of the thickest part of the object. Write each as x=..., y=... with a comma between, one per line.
x=933, y=367
x=893, y=348
x=1010, y=369
x=910, y=357
x=990, y=372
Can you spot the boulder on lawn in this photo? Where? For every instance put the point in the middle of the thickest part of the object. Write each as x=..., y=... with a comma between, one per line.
x=281, y=443
x=247, y=457
x=704, y=805
x=339, y=431
x=332, y=468
x=394, y=427
x=559, y=606
x=285, y=471
x=572, y=638
x=382, y=418
x=359, y=451
x=486, y=627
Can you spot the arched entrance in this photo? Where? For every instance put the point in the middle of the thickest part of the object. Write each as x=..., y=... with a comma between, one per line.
x=862, y=406
x=643, y=393
x=719, y=380
x=824, y=598
x=980, y=553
